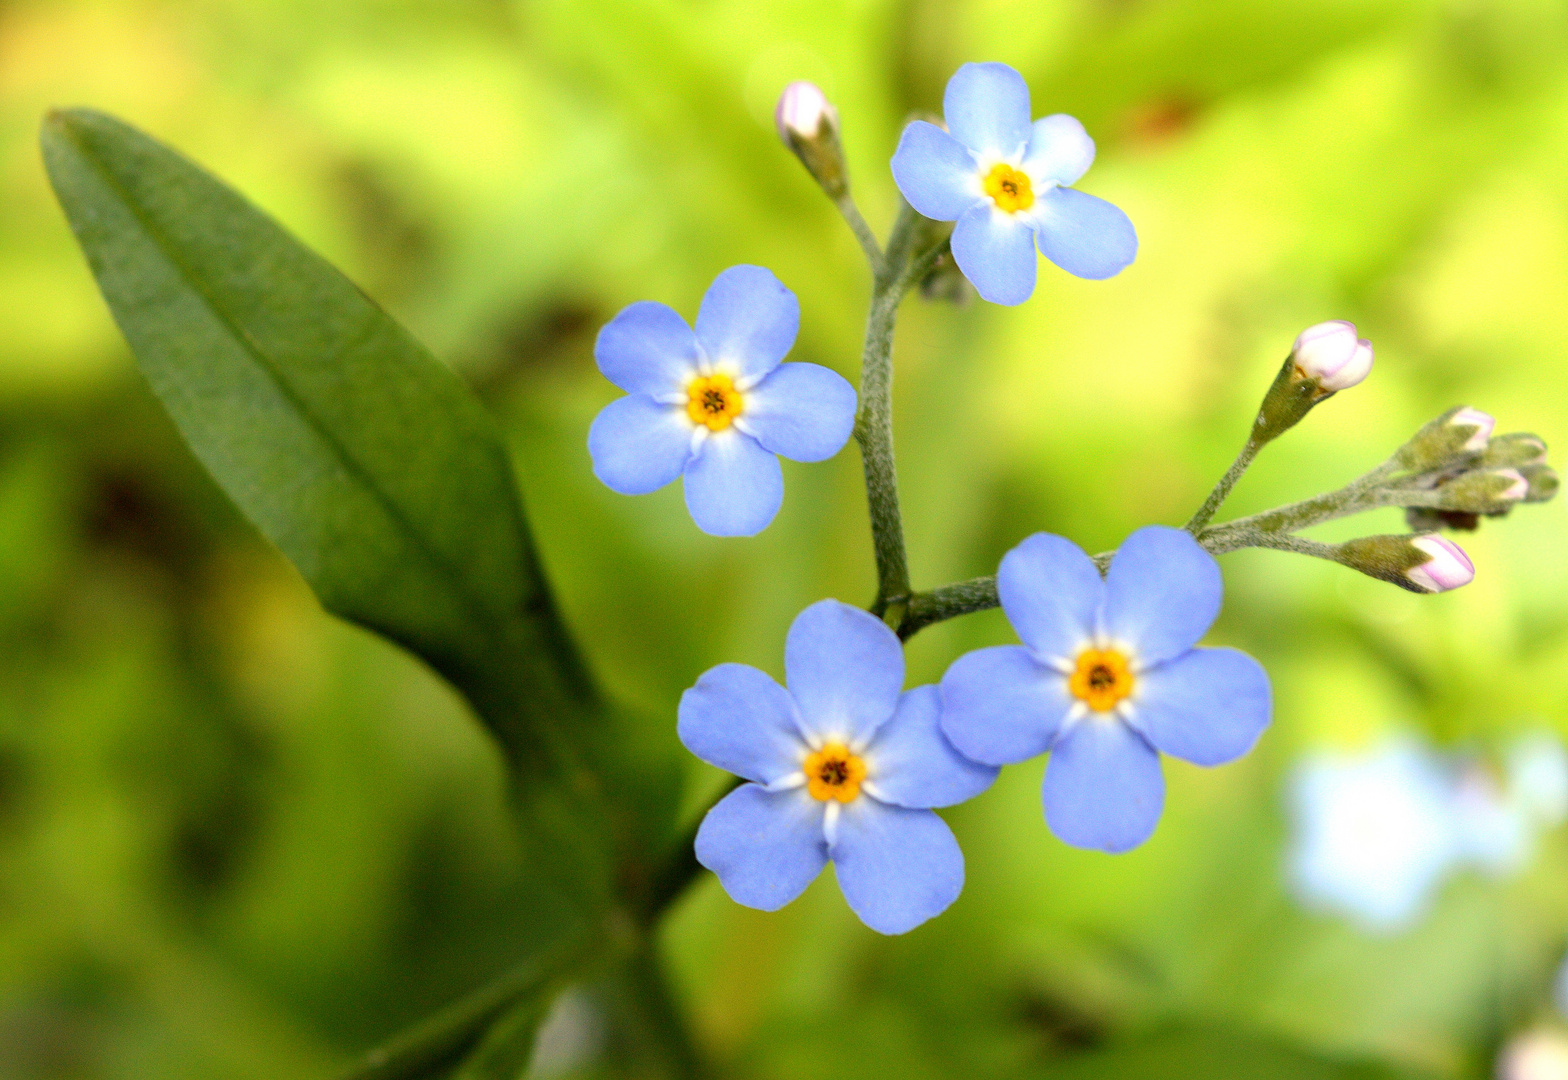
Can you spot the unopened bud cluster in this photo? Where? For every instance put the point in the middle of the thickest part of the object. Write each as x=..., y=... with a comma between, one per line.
x=1457, y=472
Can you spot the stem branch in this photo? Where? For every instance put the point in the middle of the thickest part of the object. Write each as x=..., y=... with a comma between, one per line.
x=1211, y=505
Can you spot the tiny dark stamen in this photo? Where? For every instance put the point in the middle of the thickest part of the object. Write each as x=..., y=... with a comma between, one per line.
x=833, y=772
x=713, y=401
x=1101, y=676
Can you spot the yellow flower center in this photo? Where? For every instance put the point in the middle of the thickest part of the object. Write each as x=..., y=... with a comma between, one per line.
x=834, y=773
x=1102, y=679
x=1008, y=188
x=713, y=400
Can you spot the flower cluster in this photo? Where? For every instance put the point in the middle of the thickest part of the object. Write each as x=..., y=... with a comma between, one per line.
x=845, y=768
x=841, y=763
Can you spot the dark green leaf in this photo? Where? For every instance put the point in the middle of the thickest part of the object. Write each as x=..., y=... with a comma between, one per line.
x=366, y=461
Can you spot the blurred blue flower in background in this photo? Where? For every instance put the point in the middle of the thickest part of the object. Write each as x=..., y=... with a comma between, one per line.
x=843, y=768
x=1376, y=832
x=1007, y=185
x=716, y=406
x=1108, y=677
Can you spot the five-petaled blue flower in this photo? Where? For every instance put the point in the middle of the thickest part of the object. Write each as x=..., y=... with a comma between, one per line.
x=1006, y=183
x=843, y=767
x=716, y=406
x=1107, y=676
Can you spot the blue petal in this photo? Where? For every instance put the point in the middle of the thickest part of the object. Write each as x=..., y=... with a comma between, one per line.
x=805, y=412
x=996, y=252
x=1162, y=593
x=765, y=847
x=748, y=321
x=733, y=486
x=1051, y=592
x=739, y=719
x=912, y=763
x=647, y=349
x=1103, y=786
x=935, y=172
x=638, y=445
x=986, y=107
x=1059, y=149
x=1083, y=235
x=1208, y=706
x=845, y=669
x=1001, y=705
x=896, y=867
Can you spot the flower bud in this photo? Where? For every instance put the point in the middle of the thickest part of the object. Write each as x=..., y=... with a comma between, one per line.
x=1542, y=480
x=1458, y=433
x=1331, y=353
x=1326, y=358
x=808, y=125
x=1483, y=491
x=1424, y=564
x=1513, y=450
x=1448, y=568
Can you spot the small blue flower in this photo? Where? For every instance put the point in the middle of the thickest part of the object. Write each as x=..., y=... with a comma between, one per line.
x=1007, y=184
x=1107, y=678
x=716, y=406
x=843, y=768
x=1376, y=832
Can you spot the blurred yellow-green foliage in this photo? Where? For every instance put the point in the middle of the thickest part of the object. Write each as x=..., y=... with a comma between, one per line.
x=239, y=839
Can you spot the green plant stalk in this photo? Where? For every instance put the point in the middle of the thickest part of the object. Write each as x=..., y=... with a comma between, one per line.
x=874, y=421
x=1270, y=529
x=904, y=263
x=857, y=225
x=1222, y=489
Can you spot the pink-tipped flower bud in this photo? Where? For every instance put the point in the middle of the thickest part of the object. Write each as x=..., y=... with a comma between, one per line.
x=1325, y=359
x=1331, y=353
x=808, y=125
x=1514, y=450
x=1453, y=438
x=1482, y=422
x=1448, y=568
x=1517, y=489
x=802, y=110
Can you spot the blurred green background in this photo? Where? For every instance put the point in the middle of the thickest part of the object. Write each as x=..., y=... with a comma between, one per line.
x=241, y=839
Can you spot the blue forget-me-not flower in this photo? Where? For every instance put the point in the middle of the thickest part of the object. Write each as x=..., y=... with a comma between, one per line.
x=1107, y=678
x=1377, y=831
x=717, y=406
x=843, y=767
x=1007, y=183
